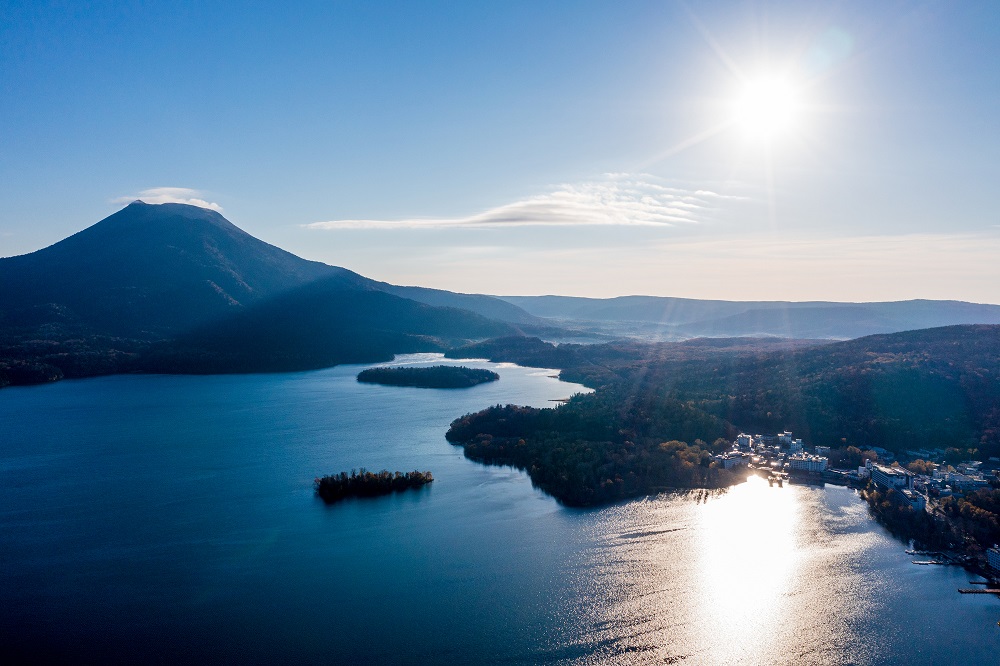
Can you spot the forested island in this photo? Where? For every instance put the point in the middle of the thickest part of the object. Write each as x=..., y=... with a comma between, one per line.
x=437, y=376
x=363, y=483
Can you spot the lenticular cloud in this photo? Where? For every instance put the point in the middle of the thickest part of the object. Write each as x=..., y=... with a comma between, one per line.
x=159, y=195
x=618, y=199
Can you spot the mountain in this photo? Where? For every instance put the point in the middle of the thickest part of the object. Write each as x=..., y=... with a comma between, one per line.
x=151, y=270
x=173, y=287
x=319, y=325
x=681, y=318
x=154, y=270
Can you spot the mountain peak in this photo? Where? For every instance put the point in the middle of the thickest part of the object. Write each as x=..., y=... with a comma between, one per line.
x=188, y=210
x=154, y=267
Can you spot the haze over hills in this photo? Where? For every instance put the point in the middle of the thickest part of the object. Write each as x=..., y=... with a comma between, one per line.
x=680, y=318
x=178, y=288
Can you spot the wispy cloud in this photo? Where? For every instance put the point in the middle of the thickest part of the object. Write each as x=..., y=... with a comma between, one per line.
x=616, y=199
x=158, y=195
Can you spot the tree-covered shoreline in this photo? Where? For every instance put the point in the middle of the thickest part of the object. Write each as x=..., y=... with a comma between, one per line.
x=969, y=524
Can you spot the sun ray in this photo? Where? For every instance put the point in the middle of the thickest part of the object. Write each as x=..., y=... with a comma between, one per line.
x=685, y=144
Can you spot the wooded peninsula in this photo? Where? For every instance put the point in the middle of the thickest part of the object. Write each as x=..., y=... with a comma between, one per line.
x=656, y=406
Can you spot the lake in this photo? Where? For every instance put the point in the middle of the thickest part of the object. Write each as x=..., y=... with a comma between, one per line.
x=172, y=519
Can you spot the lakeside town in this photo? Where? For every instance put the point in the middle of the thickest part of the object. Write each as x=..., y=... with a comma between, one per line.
x=916, y=482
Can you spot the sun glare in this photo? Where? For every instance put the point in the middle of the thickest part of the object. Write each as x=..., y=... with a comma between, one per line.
x=768, y=107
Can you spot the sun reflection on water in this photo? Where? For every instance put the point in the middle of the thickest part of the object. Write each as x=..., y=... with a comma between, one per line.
x=748, y=560
x=753, y=576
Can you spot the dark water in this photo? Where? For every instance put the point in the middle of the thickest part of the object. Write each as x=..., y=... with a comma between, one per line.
x=172, y=519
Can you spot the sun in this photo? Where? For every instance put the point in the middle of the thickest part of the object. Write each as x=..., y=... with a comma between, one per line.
x=767, y=108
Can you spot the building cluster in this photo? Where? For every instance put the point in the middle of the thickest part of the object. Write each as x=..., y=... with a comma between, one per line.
x=783, y=453
x=945, y=480
x=967, y=477
x=777, y=453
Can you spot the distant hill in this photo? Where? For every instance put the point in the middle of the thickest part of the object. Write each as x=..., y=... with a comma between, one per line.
x=680, y=318
x=653, y=309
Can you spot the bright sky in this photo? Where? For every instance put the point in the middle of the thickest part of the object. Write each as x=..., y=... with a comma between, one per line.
x=735, y=150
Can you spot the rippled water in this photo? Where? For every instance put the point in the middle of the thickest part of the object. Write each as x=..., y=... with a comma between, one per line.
x=172, y=518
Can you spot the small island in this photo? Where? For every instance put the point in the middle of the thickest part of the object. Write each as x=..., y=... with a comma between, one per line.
x=363, y=483
x=438, y=376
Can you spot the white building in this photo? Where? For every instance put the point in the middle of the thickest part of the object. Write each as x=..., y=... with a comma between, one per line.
x=890, y=477
x=732, y=459
x=822, y=450
x=993, y=557
x=803, y=462
x=916, y=500
x=744, y=441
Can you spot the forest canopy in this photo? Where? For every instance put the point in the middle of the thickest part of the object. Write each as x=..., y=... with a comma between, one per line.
x=600, y=448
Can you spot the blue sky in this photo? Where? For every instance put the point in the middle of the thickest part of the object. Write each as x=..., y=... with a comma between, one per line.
x=582, y=148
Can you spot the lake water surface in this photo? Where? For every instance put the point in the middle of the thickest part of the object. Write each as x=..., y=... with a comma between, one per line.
x=172, y=519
